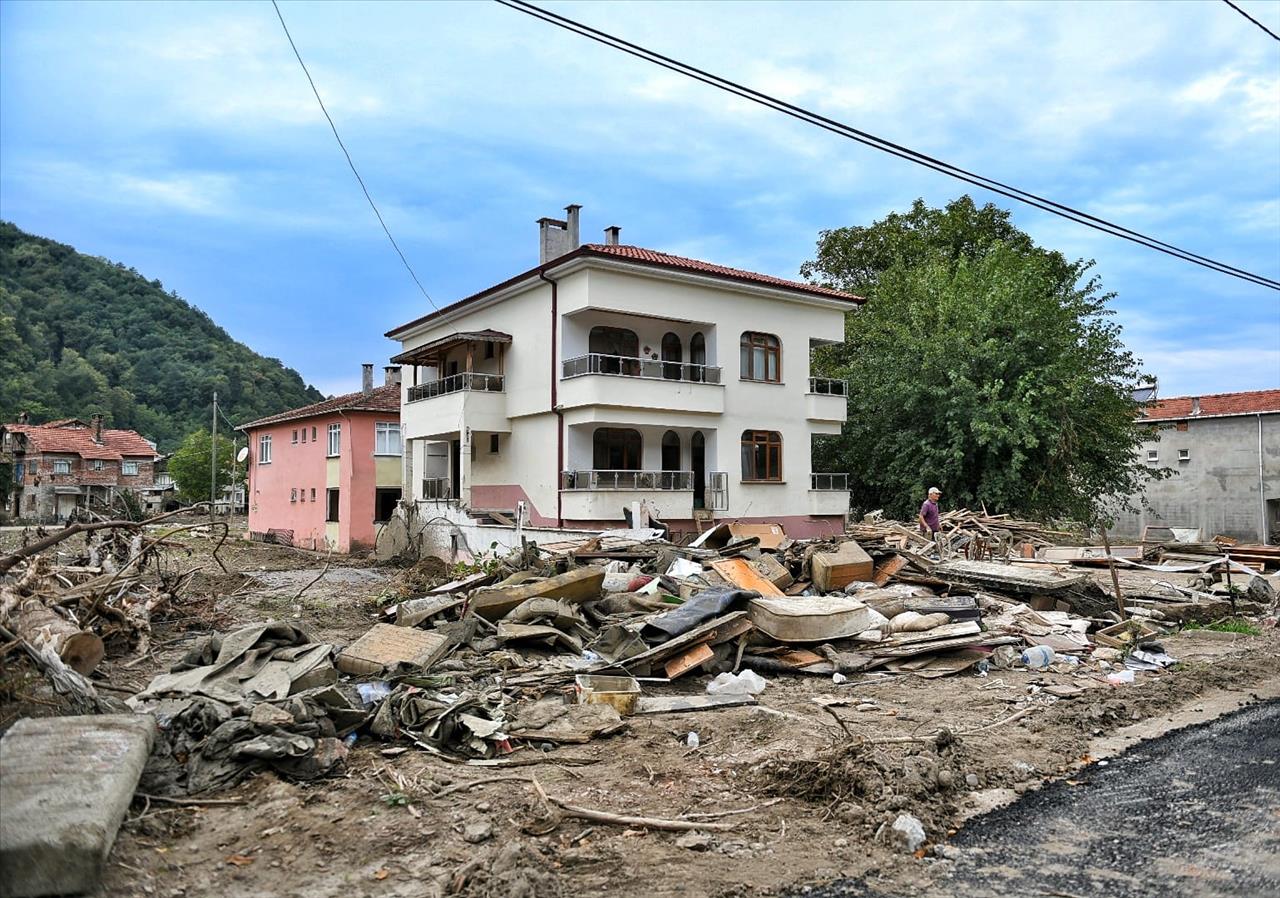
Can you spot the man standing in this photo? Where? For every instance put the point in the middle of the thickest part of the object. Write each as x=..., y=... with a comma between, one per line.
x=930, y=522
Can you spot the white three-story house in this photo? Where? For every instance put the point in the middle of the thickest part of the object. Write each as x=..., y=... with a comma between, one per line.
x=611, y=374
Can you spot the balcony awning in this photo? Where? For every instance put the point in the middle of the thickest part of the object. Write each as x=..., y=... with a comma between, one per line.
x=429, y=353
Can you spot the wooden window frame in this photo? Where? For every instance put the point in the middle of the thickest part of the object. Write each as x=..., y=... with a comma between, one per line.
x=769, y=440
x=771, y=346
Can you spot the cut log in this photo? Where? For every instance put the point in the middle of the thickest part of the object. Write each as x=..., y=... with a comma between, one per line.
x=81, y=650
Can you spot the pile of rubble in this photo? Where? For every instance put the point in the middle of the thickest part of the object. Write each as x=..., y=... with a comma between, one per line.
x=560, y=644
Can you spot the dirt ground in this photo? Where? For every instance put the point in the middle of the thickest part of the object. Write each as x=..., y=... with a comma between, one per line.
x=817, y=796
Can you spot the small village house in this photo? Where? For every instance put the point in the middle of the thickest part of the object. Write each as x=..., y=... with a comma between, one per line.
x=610, y=375
x=327, y=475
x=70, y=464
x=1225, y=451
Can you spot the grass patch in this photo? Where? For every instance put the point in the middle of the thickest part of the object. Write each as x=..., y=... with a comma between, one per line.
x=1227, y=625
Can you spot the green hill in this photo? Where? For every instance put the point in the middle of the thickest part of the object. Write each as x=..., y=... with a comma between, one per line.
x=81, y=335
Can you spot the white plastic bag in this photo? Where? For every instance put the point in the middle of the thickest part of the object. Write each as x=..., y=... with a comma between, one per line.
x=748, y=682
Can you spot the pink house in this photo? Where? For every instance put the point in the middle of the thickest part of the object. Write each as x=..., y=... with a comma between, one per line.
x=328, y=475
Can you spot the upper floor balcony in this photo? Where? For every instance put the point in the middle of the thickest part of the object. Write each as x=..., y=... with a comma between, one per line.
x=455, y=383
x=597, y=378
x=828, y=494
x=827, y=400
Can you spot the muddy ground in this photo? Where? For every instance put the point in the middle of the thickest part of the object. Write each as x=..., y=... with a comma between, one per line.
x=821, y=791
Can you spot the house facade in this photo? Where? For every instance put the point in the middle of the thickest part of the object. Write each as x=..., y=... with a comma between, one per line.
x=66, y=465
x=1224, y=450
x=612, y=375
x=327, y=475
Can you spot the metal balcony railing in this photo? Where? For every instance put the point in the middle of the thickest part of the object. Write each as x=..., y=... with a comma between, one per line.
x=456, y=383
x=436, y=488
x=628, y=366
x=626, y=480
x=833, y=482
x=828, y=386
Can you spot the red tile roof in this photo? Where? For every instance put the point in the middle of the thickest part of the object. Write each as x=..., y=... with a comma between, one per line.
x=1179, y=407
x=76, y=438
x=649, y=258
x=380, y=399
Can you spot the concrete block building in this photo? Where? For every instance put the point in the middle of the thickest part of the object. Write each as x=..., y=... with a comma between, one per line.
x=1224, y=450
x=327, y=475
x=610, y=375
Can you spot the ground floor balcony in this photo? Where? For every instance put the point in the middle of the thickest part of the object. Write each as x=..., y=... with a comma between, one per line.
x=626, y=480
x=600, y=495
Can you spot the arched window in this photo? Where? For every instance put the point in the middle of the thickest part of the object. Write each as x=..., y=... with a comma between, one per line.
x=671, y=451
x=697, y=356
x=761, y=357
x=761, y=455
x=613, y=345
x=672, y=356
x=615, y=449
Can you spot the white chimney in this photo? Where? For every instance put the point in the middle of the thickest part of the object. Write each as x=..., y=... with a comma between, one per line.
x=366, y=377
x=1195, y=405
x=611, y=235
x=556, y=237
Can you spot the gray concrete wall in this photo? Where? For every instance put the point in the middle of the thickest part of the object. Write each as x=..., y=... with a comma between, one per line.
x=1216, y=488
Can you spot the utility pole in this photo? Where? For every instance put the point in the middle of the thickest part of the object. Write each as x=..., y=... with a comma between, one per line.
x=213, y=465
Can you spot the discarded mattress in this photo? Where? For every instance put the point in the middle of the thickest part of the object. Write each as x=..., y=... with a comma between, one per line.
x=811, y=618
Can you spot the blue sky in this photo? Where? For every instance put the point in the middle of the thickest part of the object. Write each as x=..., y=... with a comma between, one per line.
x=183, y=140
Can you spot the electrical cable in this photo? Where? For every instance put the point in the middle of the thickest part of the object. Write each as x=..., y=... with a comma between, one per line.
x=334, y=128
x=886, y=146
x=1273, y=35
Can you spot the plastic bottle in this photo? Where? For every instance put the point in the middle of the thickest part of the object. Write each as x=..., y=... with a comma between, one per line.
x=1037, y=656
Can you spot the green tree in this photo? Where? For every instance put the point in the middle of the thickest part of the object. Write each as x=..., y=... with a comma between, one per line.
x=981, y=363
x=191, y=466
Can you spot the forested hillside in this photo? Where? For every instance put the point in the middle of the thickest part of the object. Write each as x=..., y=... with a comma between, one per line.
x=80, y=334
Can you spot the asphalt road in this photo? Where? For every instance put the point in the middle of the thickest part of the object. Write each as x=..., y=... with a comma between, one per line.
x=1194, y=813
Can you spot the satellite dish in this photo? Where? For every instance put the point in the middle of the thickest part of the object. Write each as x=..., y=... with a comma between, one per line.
x=243, y=453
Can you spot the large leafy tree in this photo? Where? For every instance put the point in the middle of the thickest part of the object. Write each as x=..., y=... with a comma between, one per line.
x=191, y=466
x=981, y=363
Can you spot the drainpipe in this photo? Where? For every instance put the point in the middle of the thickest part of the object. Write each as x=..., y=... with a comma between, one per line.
x=555, y=405
x=1262, y=495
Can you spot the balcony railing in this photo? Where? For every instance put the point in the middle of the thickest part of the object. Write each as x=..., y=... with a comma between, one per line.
x=626, y=480
x=828, y=386
x=456, y=383
x=833, y=482
x=628, y=366
x=436, y=488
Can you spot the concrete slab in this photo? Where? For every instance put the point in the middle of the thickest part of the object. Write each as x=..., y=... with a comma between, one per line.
x=65, y=784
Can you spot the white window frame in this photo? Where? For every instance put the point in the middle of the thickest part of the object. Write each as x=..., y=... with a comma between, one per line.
x=1184, y=455
x=295, y=437
x=335, y=440
x=96, y=464
x=264, y=449
x=62, y=466
x=1153, y=456
x=129, y=468
x=382, y=431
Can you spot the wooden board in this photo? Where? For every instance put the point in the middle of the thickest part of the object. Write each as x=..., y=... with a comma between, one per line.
x=741, y=574
x=713, y=632
x=578, y=585
x=675, y=704
x=939, y=645
x=888, y=569
x=687, y=660
x=388, y=645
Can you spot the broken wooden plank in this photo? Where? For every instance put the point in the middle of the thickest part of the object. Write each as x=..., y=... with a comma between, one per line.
x=1008, y=577
x=386, y=645
x=741, y=574
x=937, y=645
x=687, y=660
x=675, y=704
x=886, y=570
x=713, y=632
x=578, y=585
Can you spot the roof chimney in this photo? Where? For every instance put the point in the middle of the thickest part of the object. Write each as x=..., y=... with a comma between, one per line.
x=391, y=375
x=1195, y=405
x=556, y=237
x=366, y=377
x=97, y=429
x=24, y=417
x=611, y=235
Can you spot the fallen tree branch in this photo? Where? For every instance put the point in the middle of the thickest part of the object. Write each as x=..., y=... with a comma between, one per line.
x=316, y=579
x=463, y=787
x=191, y=801
x=8, y=561
x=711, y=815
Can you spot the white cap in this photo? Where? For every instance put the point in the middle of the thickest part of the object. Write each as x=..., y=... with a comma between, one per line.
x=934, y=489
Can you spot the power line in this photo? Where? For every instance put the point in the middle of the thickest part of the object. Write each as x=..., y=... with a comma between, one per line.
x=1273, y=35
x=871, y=140
x=334, y=128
